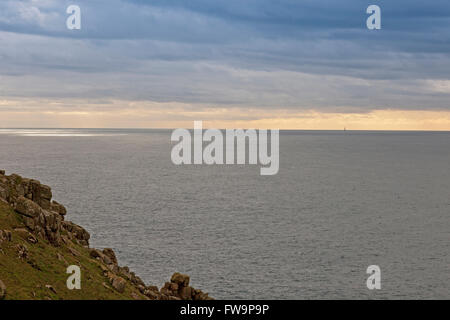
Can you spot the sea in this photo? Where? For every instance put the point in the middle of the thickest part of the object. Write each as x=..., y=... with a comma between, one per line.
x=342, y=201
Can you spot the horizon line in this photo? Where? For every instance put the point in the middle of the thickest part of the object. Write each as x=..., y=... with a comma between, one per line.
x=151, y=128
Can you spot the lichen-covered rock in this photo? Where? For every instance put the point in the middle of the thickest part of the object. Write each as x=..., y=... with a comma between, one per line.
x=154, y=295
x=27, y=207
x=59, y=208
x=179, y=288
x=118, y=283
x=94, y=253
x=79, y=233
x=110, y=254
x=181, y=279
x=42, y=216
x=46, y=192
x=32, y=199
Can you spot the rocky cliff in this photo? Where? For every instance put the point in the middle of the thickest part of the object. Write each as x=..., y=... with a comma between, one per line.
x=37, y=244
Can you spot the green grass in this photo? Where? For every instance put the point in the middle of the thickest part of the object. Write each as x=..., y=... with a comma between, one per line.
x=27, y=279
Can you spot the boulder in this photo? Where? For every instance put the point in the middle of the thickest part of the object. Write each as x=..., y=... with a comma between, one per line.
x=137, y=281
x=151, y=294
x=199, y=295
x=106, y=260
x=110, y=254
x=52, y=220
x=181, y=279
x=94, y=253
x=166, y=289
x=178, y=288
x=185, y=293
x=27, y=207
x=77, y=232
x=45, y=204
x=118, y=283
x=114, y=268
x=46, y=192
x=173, y=287
x=59, y=208
x=125, y=271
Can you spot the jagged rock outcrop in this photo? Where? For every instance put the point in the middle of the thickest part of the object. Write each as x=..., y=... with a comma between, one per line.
x=179, y=287
x=44, y=219
x=42, y=216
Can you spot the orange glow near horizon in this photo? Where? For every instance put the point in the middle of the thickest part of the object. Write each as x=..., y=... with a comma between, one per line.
x=388, y=120
x=165, y=115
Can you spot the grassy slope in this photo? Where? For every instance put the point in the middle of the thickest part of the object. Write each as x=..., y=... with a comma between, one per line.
x=27, y=279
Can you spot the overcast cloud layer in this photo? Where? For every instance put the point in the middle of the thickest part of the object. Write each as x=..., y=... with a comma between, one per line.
x=286, y=54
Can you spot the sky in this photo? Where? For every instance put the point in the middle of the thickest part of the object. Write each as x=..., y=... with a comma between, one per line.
x=286, y=64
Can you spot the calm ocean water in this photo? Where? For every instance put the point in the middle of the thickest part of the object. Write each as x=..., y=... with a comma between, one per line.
x=341, y=202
